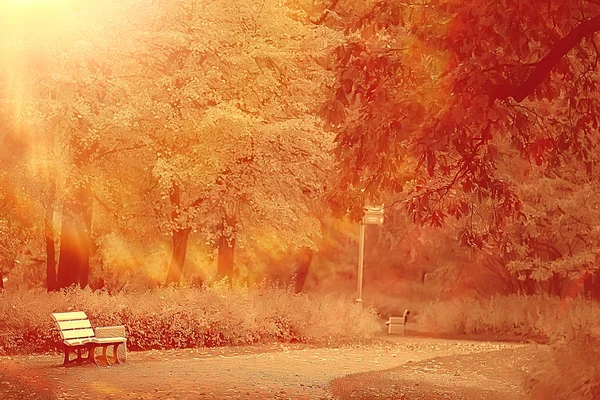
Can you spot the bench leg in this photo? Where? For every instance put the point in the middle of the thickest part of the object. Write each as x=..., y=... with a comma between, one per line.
x=92, y=354
x=115, y=354
x=66, y=360
x=78, y=358
x=90, y=358
x=104, y=348
x=102, y=357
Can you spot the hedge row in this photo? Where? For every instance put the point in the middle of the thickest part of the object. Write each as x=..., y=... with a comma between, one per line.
x=169, y=318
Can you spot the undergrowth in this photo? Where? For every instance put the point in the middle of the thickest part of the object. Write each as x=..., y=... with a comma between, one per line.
x=526, y=317
x=572, y=371
x=167, y=318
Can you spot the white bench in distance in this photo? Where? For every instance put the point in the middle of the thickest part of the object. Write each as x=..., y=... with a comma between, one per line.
x=397, y=324
x=77, y=334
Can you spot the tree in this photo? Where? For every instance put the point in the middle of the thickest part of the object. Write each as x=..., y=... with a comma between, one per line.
x=558, y=242
x=16, y=207
x=227, y=114
x=424, y=90
x=213, y=126
x=68, y=100
x=15, y=228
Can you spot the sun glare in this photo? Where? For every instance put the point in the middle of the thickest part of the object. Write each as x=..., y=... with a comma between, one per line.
x=24, y=14
x=15, y=4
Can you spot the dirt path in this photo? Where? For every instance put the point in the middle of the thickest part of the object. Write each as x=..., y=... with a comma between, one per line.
x=495, y=375
x=275, y=371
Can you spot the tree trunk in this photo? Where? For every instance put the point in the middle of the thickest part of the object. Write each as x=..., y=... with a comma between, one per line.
x=526, y=287
x=84, y=277
x=302, y=268
x=591, y=286
x=180, y=238
x=50, y=252
x=1, y=279
x=226, y=245
x=49, y=236
x=588, y=286
x=596, y=286
x=180, y=241
x=556, y=285
x=74, y=259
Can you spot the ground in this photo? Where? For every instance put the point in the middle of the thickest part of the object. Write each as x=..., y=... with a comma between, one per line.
x=396, y=368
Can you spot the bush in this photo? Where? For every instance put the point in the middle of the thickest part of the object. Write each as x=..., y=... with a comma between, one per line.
x=528, y=317
x=571, y=372
x=187, y=317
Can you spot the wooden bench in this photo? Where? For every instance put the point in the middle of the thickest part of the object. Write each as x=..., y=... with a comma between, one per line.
x=77, y=334
x=397, y=324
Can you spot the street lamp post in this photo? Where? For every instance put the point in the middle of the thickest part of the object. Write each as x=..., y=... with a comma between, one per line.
x=361, y=254
x=373, y=216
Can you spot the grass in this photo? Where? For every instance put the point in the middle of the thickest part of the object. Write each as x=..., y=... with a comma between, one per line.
x=168, y=318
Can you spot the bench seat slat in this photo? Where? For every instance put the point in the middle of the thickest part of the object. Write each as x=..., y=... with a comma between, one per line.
x=77, y=342
x=109, y=340
x=80, y=323
x=77, y=333
x=69, y=316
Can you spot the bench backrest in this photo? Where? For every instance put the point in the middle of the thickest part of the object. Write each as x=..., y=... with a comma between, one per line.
x=73, y=325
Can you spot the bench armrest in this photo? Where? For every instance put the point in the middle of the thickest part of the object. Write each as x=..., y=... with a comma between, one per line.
x=110, y=331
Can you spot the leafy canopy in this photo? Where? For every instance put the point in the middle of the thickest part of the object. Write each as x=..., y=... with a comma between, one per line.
x=429, y=94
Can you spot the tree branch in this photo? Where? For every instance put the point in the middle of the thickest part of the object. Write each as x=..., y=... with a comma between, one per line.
x=327, y=11
x=594, y=2
x=546, y=64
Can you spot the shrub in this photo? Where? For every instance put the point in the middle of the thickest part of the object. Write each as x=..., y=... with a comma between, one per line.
x=571, y=372
x=167, y=318
x=530, y=317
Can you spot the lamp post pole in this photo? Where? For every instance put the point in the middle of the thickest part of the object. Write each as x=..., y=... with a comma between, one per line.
x=361, y=254
x=372, y=216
